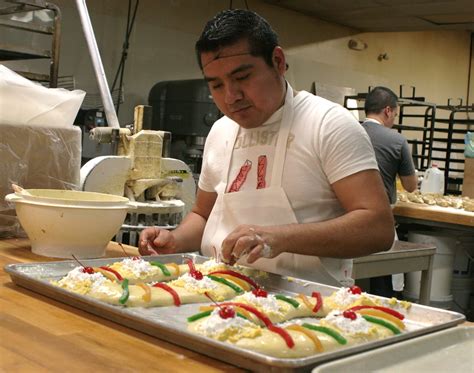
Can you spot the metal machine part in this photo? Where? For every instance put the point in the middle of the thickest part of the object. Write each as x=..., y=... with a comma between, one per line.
x=162, y=189
x=186, y=109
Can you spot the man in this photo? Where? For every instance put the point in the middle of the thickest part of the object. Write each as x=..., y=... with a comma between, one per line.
x=391, y=148
x=393, y=158
x=289, y=181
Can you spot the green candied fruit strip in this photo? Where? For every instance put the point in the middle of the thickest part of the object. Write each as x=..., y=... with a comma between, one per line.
x=162, y=267
x=339, y=338
x=242, y=316
x=208, y=313
x=126, y=291
x=293, y=302
x=198, y=316
x=237, y=289
x=384, y=323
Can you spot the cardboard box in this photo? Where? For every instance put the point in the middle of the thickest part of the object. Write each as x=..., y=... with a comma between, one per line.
x=468, y=182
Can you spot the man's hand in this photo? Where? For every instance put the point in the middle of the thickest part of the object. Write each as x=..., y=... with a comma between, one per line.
x=246, y=240
x=155, y=241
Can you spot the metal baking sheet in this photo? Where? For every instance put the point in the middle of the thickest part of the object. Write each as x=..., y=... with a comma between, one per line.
x=169, y=323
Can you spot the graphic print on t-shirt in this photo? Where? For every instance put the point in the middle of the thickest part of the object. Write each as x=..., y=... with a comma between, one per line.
x=241, y=177
x=254, y=147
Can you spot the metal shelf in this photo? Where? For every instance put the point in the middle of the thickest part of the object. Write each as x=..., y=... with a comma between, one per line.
x=10, y=52
x=455, y=121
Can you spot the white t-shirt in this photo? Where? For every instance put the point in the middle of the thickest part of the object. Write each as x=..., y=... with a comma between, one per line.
x=326, y=144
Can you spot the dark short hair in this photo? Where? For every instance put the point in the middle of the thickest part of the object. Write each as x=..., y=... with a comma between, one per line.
x=378, y=99
x=232, y=25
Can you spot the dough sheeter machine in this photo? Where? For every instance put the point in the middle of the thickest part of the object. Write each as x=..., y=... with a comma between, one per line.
x=161, y=188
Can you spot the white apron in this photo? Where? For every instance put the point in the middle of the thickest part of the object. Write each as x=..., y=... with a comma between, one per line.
x=268, y=206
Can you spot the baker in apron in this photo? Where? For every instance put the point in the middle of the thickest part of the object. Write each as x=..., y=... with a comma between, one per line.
x=269, y=206
x=330, y=173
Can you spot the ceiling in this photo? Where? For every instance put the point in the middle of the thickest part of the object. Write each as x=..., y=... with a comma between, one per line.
x=388, y=15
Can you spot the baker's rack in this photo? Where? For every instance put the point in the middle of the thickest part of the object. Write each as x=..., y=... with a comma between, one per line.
x=453, y=122
x=14, y=51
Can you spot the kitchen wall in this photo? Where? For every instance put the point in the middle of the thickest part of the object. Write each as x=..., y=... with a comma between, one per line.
x=162, y=48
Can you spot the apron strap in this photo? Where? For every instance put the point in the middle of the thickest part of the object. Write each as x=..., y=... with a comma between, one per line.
x=283, y=134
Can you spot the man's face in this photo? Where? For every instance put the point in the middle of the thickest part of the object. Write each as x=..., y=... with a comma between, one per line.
x=243, y=86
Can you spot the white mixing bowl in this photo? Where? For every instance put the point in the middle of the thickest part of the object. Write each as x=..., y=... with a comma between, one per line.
x=62, y=223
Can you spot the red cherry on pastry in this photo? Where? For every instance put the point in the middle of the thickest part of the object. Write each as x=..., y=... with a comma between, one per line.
x=197, y=275
x=349, y=315
x=259, y=292
x=355, y=289
x=226, y=312
x=88, y=270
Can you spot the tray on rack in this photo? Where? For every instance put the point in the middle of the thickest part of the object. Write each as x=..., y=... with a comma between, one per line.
x=169, y=323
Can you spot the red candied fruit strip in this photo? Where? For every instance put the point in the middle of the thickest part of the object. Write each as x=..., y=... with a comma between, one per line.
x=252, y=309
x=238, y=275
x=119, y=277
x=177, y=301
x=397, y=314
x=283, y=333
x=319, y=301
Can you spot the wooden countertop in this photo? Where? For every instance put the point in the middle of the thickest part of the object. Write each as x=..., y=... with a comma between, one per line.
x=43, y=335
x=439, y=214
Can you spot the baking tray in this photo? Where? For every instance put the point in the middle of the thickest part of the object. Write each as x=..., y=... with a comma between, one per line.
x=450, y=350
x=169, y=323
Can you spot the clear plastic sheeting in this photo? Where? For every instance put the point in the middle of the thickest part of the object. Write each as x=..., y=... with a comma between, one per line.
x=36, y=157
x=24, y=102
x=39, y=145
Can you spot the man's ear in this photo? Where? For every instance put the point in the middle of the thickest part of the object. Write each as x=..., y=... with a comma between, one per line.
x=279, y=60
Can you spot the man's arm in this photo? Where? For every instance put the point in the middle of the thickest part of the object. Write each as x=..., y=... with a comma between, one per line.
x=188, y=234
x=409, y=179
x=366, y=227
x=409, y=183
x=186, y=237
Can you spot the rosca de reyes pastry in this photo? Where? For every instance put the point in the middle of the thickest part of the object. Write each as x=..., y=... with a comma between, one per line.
x=192, y=287
x=347, y=297
x=279, y=307
x=137, y=270
x=295, y=339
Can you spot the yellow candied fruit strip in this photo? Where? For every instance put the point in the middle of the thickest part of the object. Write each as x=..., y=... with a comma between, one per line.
x=147, y=295
x=306, y=301
x=175, y=267
x=244, y=312
x=105, y=273
x=314, y=338
x=382, y=315
x=243, y=284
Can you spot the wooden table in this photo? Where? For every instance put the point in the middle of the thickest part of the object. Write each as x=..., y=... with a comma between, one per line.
x=405, y=257
x=39, y=334
x=436, y=216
